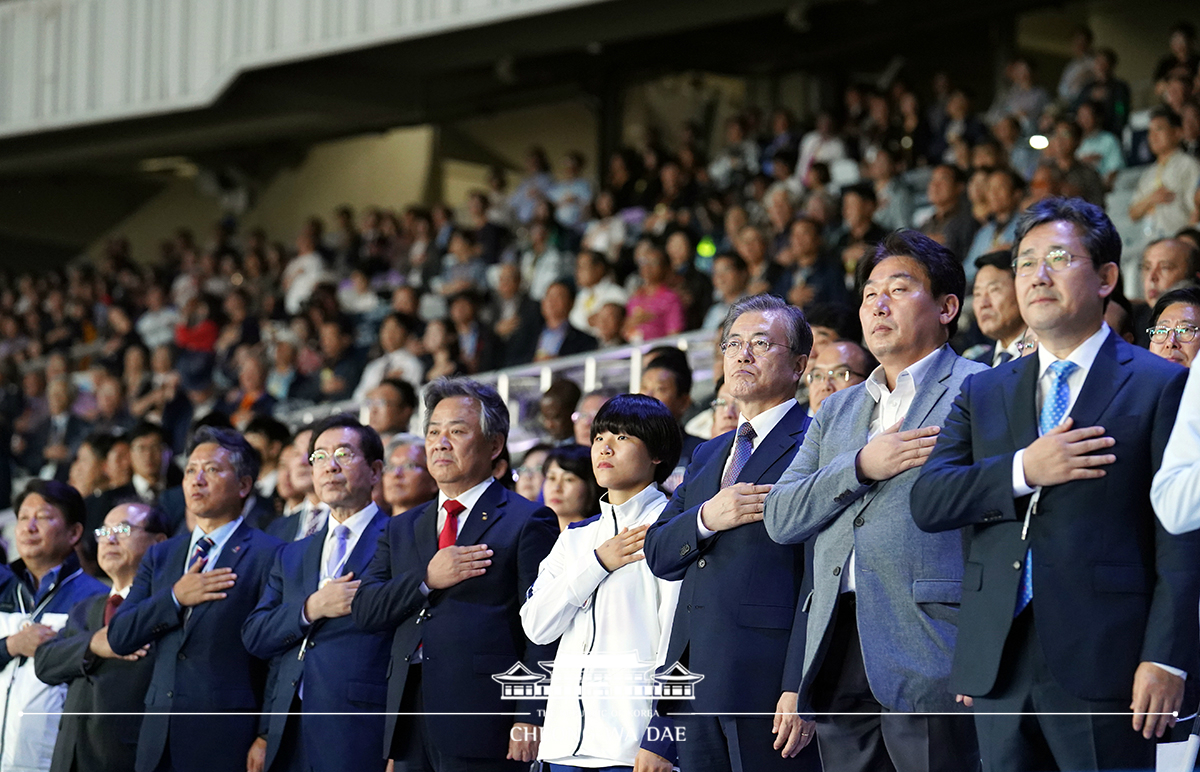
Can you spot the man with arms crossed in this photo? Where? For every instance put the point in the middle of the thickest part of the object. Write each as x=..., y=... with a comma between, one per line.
x=1075, y=600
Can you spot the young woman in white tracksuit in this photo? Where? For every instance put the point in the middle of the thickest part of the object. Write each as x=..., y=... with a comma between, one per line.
x=614, y=616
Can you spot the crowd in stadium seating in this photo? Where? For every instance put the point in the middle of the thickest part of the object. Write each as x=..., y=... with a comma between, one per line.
x=108, y=371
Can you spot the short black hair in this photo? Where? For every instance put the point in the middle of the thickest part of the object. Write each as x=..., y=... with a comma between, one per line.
x=839, y=317
x=246, y=462
x=145, y=428
x=273, y=430
x=1186, y=295
x=943, y=269
x=568, y=286
x=1167, y=114
x=959, y=176
x=650, y=421
x=1015, y=179
x=682, y=375
x=735, y=261
x=408, y=394
x=863, y=190
x=344, y=323
x=1099, y=235
x=57, y=494
x=1001, y=259
x=368, y=438
x=577, y=459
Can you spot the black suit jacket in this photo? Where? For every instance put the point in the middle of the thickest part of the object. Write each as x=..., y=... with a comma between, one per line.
x=77, y=430
x=576, y=342
x=1111, y=588
x=470, y=631
x=202, y=666
x=520, y=347
x=344, y=669
x=101, y=687
x=738, y=621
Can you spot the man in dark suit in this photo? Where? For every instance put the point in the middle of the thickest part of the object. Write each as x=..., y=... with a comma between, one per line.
x=153, y=473
x=191, y=595
x=56, y=439
x=480, y=349
x=558, y=338
x=738, y=620
x=515, y=317
x=996, y=311
x=324, y=663
x=448, y=579
x=106, y=692
x=1075, y=600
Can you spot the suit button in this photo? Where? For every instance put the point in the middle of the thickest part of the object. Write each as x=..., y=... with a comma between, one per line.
x=170, y=694
x=182, y=656
x=1017, y=564
x=689, y=607
x=837, y=570
x=858, y=522
x=685, y=549
x=702, y=563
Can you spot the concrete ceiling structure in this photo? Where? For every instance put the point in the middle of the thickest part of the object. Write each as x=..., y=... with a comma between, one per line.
x=58, y=189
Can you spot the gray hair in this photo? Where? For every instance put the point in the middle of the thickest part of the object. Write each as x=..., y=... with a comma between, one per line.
x=799, y=334
x=245, y=458
x=493, y=413
x=403, y=439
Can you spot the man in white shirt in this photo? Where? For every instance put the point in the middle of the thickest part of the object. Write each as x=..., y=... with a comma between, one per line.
x=1176, y=491
x=1164, y=200
x=882, y=620
x=302, y=274
x=595, y=288
x=1076, y=606
x=302, y=621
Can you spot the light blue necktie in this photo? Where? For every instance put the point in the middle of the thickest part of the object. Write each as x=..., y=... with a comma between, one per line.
x=1054, y=410
x=743, y=446
x=333, y=567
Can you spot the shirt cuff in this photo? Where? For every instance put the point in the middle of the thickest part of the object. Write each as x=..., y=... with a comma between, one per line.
x=304, y=620
x=425, y=589
x=1020, y=487
x=1172, y=670
x=701, y=529
x=178, y=605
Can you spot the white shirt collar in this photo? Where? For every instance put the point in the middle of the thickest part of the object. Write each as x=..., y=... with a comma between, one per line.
x=143, y=487
x=468, y=499
x=1083, y=355
x=629, y=511
x=357, y=523
x=766, y=421
x=877, y=382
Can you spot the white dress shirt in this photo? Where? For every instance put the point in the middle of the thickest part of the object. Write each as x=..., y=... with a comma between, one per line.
x=890, y=408
x=1011, y=349
x=468, y=499
x=1176, y=490
x=764, y=423
x=357, y=523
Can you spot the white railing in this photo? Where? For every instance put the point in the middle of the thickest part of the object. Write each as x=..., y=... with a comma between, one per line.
x=67, y=63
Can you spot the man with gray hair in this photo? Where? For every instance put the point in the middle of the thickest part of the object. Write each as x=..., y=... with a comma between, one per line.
x=406, y=479
x=190, y=597
x=738, y=620
x=451, y=576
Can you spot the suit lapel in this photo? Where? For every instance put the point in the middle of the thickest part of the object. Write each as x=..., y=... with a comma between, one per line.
x=775, y=445
x=1105, y=378
x=361, y=555
x=487, y=511
x=95, y=615
x=231, y=554
x=312, y=560
x=425, y=532
x=1020, y=399
x=709, y=479
x=931, y=389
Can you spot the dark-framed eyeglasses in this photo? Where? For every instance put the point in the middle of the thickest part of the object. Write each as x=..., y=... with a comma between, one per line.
x=834, y=375
x=731, y=347
x=1184, y=333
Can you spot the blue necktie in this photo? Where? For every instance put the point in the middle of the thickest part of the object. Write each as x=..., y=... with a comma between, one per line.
x=333, y=567
x=743, y=446
x=1054, y=410
x=200, y=552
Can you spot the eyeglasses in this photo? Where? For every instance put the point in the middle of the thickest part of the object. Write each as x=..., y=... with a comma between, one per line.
x=374, y=403
x=720, y=402
x=1056, y=260
x=394, y=468
x=121, y=530
x=343, y=456
x=524, y=470
x=579, y=415
x=1184, y=333
x=758, y=346
x=842, y=374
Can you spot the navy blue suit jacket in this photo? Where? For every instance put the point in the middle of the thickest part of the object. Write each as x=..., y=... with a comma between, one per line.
x=738, y=621
x=200, y=665
x=470, y=631
x=1111, y=587
x=344, y=669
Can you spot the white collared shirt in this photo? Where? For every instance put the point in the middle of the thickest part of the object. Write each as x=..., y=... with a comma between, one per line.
x=890, y=408
x=357, y=523
x=1011, y=349
x=764, y=423
x=1083, y=356
x=469, y=498
x=219, y=536
x=311, y=512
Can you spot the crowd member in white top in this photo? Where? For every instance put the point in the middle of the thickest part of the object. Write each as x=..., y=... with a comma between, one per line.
x=595, y=289
x=596, y=592
x=1176, y=489
x=1164, y=195
x=302, y=274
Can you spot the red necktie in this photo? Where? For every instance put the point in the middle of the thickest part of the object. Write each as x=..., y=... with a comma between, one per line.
x=449, y=533
x=110, y=607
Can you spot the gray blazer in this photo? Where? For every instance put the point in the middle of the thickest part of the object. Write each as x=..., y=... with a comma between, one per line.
x=908, y=582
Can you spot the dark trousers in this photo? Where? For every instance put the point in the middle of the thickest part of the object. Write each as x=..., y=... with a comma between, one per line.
x=873, y=738
x=735, y=744
x=1042, y=743
x=411, y=745
x=292, y=756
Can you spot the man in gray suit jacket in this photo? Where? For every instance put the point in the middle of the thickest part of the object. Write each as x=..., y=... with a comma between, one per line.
x=882, y=616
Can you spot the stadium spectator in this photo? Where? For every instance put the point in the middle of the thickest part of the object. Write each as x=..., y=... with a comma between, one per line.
x=670, y=382
x=1167, y=264
x=1005, y=190
x=558, y=336
x=815, y=277
x=1174, y=326
x=1022, y=99
x=395, y=360
x=595, y=287
x=585, y=413
x=268, y=437
x=542, y=263
x=654, y=309
x=570, y=487
x=406, y=480
x=1165, y=194
x=1080, y=180
x=729, y=278
x=840, y=364
x=1099, y=147
x=951, y=223
x=894, y=197
x=996, y=310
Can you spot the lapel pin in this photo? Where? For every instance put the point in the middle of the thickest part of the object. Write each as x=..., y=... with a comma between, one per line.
x=484, y=515
x=238, y=547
